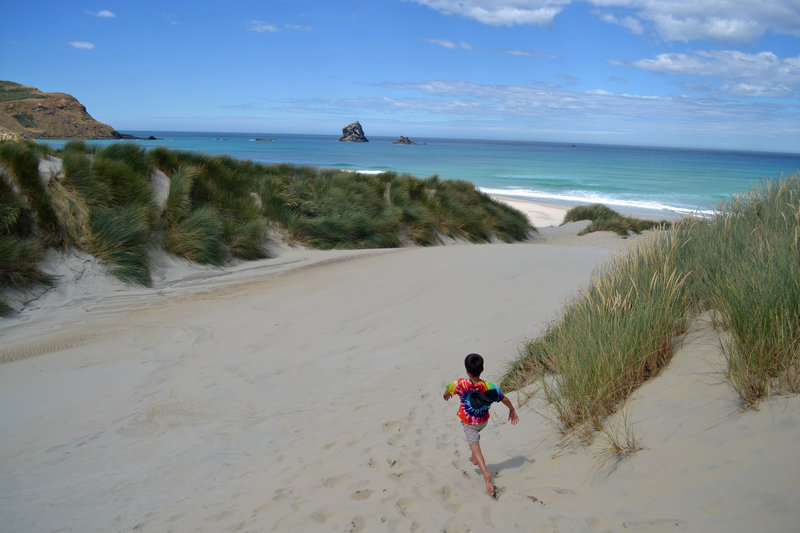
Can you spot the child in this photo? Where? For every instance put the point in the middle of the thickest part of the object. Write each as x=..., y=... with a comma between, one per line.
x=476, y=396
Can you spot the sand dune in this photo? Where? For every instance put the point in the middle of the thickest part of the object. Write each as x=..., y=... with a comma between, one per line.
x=303, y=393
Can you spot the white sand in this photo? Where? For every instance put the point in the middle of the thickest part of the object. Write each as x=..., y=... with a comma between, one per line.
x=539, y=214
x=303, y=393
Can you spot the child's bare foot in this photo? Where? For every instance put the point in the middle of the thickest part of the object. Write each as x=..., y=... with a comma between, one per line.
x=489, y=486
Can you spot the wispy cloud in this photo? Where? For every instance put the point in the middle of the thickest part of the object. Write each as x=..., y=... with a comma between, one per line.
x=727, y=21
x=259, y=26
x=501, y=13
x=298, y=27
x=449, y=44
x=81, y=45
x=103, y=14
x=548, y=105
x=738, y=73
x=634, y=25
x=569, y=80
x=535, y=54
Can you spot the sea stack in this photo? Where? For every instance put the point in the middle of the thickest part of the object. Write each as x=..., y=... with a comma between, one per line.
x=404, y=140
x=352, y=133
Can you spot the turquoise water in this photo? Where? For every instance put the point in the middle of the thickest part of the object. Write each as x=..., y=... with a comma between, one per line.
x=661, y=181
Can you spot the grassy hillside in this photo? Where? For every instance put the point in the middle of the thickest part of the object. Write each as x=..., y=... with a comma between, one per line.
x=218, y=209
x=10, y=91
x=31, y=114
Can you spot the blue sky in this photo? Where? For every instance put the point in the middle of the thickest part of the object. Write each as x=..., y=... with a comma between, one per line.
x=721, y=73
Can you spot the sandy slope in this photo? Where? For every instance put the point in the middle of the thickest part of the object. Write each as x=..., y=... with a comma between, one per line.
x=303, y=393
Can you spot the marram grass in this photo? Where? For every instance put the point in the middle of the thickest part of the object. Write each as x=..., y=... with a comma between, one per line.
x=217, y=209
x=754, y=284
x=603, y=218
x=744, y=263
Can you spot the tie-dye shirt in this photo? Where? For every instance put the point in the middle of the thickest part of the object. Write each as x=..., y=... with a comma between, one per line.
x=476, y=398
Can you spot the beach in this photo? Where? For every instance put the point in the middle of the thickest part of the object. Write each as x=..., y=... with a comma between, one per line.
x=304, y=393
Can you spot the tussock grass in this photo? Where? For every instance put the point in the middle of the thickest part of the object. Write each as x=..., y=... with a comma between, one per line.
x=744, y=263
x=751, y=276
x=338, y=209
x=19, y=260
x=217, y=208
x=197, y=237
x=606, y=219
x=21, y=159
x=113, y=185
x=21, y=247
x=612, y=338
x=120, y=237
x=72, y=212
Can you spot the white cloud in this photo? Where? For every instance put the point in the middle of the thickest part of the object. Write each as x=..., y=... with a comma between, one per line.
x=502, y=13
x=727, y=21
x=298, y=27
x=740, y=73
x=449, y=44
x=259, y=26
x=103, y=14
x=634, y=25
x=81, y=45
x=530, y=53
x=526, y=53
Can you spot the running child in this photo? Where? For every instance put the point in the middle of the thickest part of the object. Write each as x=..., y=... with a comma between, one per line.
x=476, y=397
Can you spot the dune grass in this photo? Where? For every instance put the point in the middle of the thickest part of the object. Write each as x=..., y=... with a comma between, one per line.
x=21, y=159
x=25, y=212
x=613, y=337
x=604, y=218
x=218, y=209
x=750, y=274
x=339, y=209
x=743, y=263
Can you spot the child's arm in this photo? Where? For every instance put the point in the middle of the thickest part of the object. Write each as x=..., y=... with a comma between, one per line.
x=512, y=414
x=450, y=390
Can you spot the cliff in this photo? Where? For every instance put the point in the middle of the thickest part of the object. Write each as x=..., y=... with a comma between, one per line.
x=28, y=113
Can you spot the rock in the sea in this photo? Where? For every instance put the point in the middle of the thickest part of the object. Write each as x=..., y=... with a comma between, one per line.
x=353, y=133
x=404, y=140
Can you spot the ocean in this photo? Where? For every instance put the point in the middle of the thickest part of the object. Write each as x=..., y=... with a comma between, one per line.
x=637, y=180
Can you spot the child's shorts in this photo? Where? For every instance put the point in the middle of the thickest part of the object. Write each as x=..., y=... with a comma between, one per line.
x=473, y=433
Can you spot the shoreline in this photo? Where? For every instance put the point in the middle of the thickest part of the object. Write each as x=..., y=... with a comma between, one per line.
x=546, y=214
x=539, y=214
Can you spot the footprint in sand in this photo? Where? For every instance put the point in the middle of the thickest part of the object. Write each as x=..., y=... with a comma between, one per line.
x=332, y=482
x=281, y=494
x=362, y=494
x=534, y=499
x=392, y=426
x=359, y=523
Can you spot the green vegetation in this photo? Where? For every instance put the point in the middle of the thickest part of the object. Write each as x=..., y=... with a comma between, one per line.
x=20, y=249
x=218, y=209
x=338, y=209
x=749, y=272
x=25, y=119
x=743, y=264
x=14, y=91
x=606, y=219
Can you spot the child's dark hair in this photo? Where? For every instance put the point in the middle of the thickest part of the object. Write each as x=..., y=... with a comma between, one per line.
x=474, y=364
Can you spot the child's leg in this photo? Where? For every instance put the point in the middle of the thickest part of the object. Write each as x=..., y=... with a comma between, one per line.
x=477, y=459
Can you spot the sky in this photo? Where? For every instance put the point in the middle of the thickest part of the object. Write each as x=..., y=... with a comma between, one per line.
x=687, y=73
